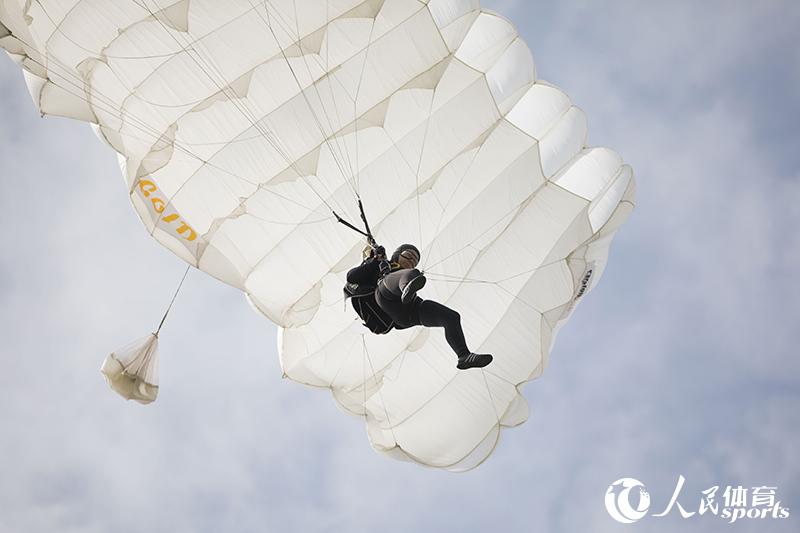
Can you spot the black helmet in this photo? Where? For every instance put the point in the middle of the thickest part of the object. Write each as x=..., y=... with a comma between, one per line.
x=411, y=252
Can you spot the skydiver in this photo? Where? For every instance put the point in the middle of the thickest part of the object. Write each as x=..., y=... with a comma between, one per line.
x=384, y=295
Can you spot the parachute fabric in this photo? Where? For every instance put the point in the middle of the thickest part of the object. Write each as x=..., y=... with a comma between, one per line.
x=241, y=126
x=132, y=371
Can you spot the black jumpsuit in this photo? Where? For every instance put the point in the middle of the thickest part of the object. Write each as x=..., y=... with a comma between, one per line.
x=418, y=312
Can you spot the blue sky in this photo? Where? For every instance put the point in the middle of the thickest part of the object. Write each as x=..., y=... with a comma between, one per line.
x=682, y=361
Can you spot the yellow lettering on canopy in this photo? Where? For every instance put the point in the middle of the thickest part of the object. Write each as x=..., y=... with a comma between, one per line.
x=147, y=187
x=184, y=228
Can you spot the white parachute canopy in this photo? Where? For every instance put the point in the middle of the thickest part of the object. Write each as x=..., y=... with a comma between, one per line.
x=242, y=126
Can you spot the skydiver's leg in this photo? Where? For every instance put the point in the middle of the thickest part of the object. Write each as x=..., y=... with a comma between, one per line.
x=395, y=282
x=419, y=312
x=389, y=299
x=404, y=284
x=433, y=314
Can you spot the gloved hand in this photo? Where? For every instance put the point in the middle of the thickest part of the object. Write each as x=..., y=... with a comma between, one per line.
x=367, y=252
x=374, y=252
x=384, y=267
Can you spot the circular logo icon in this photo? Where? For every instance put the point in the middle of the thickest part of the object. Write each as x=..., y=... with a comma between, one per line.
x=624, y=507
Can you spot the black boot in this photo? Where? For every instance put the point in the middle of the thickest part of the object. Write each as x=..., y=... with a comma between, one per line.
x=474, y=360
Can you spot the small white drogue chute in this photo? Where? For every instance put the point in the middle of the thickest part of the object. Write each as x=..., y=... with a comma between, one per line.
x=132, y=371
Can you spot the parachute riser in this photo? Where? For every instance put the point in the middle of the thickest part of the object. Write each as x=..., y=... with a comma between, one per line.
x=367, y=233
